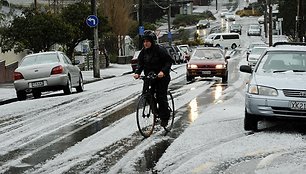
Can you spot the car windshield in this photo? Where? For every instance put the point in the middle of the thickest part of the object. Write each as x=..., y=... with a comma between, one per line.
x=235, y=26
x=207, y=54
x=256, y=50
x=39, y=59
x=255, y=27
x=282, y=61
x=211, y=36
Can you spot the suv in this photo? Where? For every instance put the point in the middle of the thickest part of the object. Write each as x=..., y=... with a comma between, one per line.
x=254, y=30
x=235, y=28
x=276, y=88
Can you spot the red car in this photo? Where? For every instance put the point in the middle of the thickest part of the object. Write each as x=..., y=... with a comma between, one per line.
x=207, y=62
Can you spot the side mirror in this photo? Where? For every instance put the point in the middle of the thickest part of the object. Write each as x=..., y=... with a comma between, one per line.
x=227, y=57
x=246, y=69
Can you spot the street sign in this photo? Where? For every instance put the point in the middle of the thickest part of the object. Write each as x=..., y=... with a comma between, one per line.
x=169, y=35
x=141, y=30
x=92, y=21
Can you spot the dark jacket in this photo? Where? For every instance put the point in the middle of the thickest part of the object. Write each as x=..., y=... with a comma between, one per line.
x=156, y=59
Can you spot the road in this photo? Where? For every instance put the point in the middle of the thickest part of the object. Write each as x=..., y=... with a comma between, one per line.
x=95, y=131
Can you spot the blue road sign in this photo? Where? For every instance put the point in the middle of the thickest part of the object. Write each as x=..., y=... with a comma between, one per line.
x=92, y=21
x=141, y=30
x=169, y=35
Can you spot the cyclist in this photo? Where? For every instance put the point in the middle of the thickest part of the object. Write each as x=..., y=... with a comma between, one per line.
x=155, y=58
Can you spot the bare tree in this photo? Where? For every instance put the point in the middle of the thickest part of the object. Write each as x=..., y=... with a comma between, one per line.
x=118, y=13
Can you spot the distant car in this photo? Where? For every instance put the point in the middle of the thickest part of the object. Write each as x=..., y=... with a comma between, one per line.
x=173, y=53
x=223, y=13
x=255, y=54
x=203, y=24
x=207, y=62
x=187, y=52
x=254, y=30
x=134, y=61
x=261, y=20
x=230, y=16
x=276, y=88
x=252, y=45
x=180, y=53
x=236, y=28
x=47, y=71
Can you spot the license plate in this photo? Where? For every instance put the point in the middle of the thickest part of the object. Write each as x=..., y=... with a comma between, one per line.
x=37, y=84
x=206, y=72
x=297, y=105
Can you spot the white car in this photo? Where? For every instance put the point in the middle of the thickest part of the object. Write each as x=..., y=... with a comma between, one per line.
x=254, y=30
x=255, y=54
x=276, y=88
x=230, y=16
x=46, y=71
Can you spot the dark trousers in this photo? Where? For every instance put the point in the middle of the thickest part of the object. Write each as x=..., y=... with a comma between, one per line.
x=161, y=89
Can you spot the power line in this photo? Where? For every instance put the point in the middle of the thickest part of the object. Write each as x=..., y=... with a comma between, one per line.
x=163, y=8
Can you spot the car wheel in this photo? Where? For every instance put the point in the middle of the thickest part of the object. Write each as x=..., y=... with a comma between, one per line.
x=21, y=95
x=225, y=78
x=218, y=46
x=68, y=87
x=80, y=88
x=250, y=122
x=36, y=93
x=234, y=46
x=189, y=78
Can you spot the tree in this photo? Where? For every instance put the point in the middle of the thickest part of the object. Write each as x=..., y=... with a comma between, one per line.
x=75, y=16
x=119, y=17
x=34, y=31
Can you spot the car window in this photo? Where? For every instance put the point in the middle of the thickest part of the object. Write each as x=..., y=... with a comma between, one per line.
x=257, y=50
x=208, y=54
x=66, y=59
x=39, y=59
x=283, y=61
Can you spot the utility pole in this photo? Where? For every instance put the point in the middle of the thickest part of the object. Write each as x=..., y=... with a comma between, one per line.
x=300, y=21
x=216, y=4
x=35, y=5
x=169, y=21
x=95, y=54
x=270, y=23
x=140, y=23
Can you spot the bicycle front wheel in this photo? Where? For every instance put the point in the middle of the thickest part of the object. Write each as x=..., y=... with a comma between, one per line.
x=172, y=112
x=144, y=115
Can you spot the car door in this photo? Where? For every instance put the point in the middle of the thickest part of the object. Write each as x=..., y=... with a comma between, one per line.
x=73, y=70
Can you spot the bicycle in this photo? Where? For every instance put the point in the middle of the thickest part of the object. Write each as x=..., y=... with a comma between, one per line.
x=146, y=114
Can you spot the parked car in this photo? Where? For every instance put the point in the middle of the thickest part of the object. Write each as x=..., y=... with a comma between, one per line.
x=254, y=30
x=186, y=52
x=171, y=51
x=207, y=62
x=230, y=16
x=255, y=54
x=180, y=53
x=252, y=45
x=236, y=28
x=134, y=60
x=276, y=88
x=203, y=24
x=47, y=71
x=223, y=12
x=261, y=20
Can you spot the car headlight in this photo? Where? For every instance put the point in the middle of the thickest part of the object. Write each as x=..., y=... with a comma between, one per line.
x=262, y=90
x=220, y=66
x=192, y=66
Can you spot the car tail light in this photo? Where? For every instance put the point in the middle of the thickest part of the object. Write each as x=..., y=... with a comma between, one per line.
x=57, y=70
x=18, y=76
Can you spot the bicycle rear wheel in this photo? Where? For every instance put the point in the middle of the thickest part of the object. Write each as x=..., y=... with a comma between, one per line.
x=172, y=112
x=144, y=115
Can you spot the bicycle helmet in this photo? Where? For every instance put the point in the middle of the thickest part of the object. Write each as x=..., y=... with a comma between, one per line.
x=149, y=35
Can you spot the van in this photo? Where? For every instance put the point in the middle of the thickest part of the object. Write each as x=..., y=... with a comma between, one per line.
x=223, y=40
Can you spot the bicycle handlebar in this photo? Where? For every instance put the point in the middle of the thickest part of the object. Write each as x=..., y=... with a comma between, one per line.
x=149, y=76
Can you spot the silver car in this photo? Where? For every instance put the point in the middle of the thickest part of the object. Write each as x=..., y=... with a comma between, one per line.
x=277, y=86
x=255, y=54
x=47, y=71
